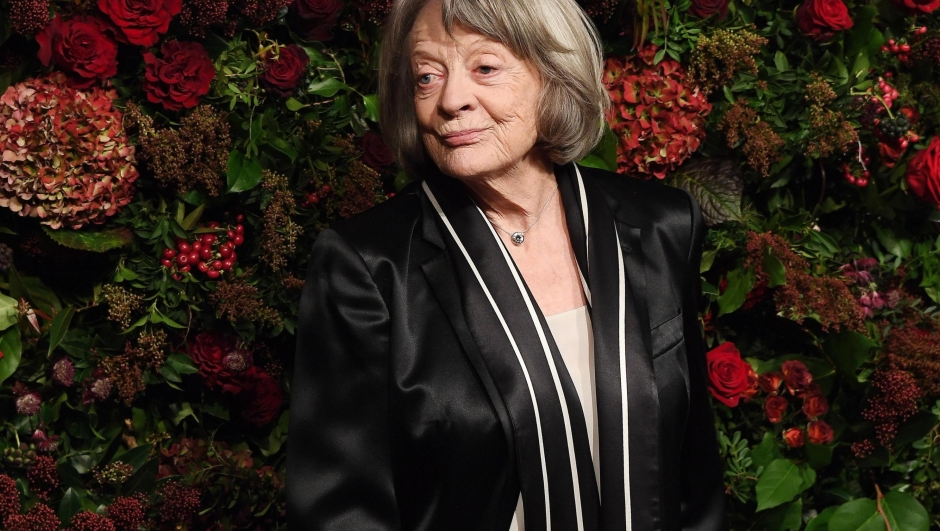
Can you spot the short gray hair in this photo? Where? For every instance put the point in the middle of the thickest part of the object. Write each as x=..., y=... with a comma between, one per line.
x=556, y=36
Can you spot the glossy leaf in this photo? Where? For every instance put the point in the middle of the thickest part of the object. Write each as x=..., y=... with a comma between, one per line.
x=98, y=241
x=780, y=482
x=857, y=515
x=904, y=513
x=60, y=325
x=12, y=351
x=717, y=186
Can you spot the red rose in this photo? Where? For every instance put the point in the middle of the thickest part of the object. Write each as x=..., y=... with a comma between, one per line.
x=79, y=46
x=793, y=437
x=819, y=432
x=317, y=17
x=923, y=173
x=264, y=397
x=374, y=151
x=815, y=404
x=820, y=19
x=770, y=381
x=915, y=7
x=728, y=374
x=707, y=8
x=282, y=75
x=180, y=77
x=215, y=356
x=774, y=407
x=141, y=21
x=796, y=376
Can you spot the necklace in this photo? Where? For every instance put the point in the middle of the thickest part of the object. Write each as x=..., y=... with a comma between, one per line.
x=519, y=236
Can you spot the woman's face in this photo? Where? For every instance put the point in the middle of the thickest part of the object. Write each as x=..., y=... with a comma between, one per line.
x=476, y=102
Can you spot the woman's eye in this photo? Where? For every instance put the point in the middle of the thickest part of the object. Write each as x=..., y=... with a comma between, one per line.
x=425, y=79
x=486, y=70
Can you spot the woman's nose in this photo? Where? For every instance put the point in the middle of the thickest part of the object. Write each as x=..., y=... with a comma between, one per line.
x=456, y=94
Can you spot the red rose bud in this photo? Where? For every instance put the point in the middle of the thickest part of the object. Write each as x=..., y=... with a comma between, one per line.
x=796, y=376
x=728, y=374
x=916, y=7
x=774, y=407
x=815, y=404
x=819, y=432
x=923, y=173
x=178, y=78
x=316, y=18
x=707, y=8
x=820, y=19
x=141, y=22
x=374, y=153
x=770, y=382
x=81, y=47
x=793, y=437
x=283, y=75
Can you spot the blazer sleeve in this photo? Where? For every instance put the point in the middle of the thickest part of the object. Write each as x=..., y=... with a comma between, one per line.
x=339, y=472
x=702, y=470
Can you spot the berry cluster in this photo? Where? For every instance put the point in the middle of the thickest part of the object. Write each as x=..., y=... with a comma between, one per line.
x=20, y=457
x=856, y=171
x=313, y=198
x=901, y=50
x=211, y=253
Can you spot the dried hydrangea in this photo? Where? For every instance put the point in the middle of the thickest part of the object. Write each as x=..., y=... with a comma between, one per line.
x=657, y=115
x=65, y=155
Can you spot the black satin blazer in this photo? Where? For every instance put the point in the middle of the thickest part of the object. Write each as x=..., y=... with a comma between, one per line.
x=399, y=420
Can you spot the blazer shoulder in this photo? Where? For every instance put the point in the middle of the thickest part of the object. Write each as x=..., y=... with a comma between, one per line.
x=646, y=202
x=385, y=228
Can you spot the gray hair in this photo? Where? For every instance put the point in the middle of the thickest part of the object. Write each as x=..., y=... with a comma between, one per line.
x=556, y=36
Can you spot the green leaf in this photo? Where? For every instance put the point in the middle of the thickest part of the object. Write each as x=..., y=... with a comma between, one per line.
x=895, y=246
x=293, y=105
x=371, y=102
x=144, y=479
x=767, y=451
x=170, y=374
x=12, y=351
x=717, y=186
x=8, y=313
x=780, y=61
x=70, y=506
x=326, y=87
x=243, y=173
x=848, y=350
x=35, y=292
x=60, y=325
x=775, y=270
x=857, y=515
x=99, y=241
x=904, y=513
x=820, y=455
x=182, y=363
x=780, y=482
x=136, y=457
x=593, y=161
x=782, y=518
x=740, y=283
x=821, y=522
x=284, y=147
x=192, y=218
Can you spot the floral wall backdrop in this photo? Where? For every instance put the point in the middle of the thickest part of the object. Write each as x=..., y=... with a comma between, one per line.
x=166, y=165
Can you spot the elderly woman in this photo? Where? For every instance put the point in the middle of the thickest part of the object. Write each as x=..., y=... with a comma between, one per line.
x=512, y=342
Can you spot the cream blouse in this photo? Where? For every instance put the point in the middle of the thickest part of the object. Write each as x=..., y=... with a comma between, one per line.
x=572, y=333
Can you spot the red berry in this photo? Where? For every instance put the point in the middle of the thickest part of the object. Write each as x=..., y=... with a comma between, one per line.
x=233, y=257
x=921, y=30
x=325, y=189
x=239, y=218
x=196, y=245
x=891, y=42
x=239, y=229
x=915, y=138
x=202, y=267
x=895, y=48
x=904, y=144
x=225, y=252
x=862, y=183
x=238, y=239
x=177, y=277
x=193, y=257
x=226, y=265
x=169, y=253
x=167, y=262
x=213, y=224
x=216, y=265
x=230, y=234
x=185, y=268
x=866, y=174
x=183, y=246
x=313, y=198
x=212, y=273
x=903, y=57
x=390, y=195
x=889, y=75
x=905, y=48
x=208, y=239
x=884, y=48
x=205, y=253
x=182, y=259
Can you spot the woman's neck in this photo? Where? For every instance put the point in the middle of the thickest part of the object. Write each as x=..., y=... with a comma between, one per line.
x=515, y=199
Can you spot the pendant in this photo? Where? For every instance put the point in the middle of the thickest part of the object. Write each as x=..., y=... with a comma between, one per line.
x=518, y=238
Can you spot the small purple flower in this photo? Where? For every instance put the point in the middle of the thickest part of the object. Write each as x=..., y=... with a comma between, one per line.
x=237, y=360
x=28, y=403
x=63, y=372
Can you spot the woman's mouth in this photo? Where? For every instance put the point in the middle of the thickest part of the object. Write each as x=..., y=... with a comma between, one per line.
x=462, y=138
